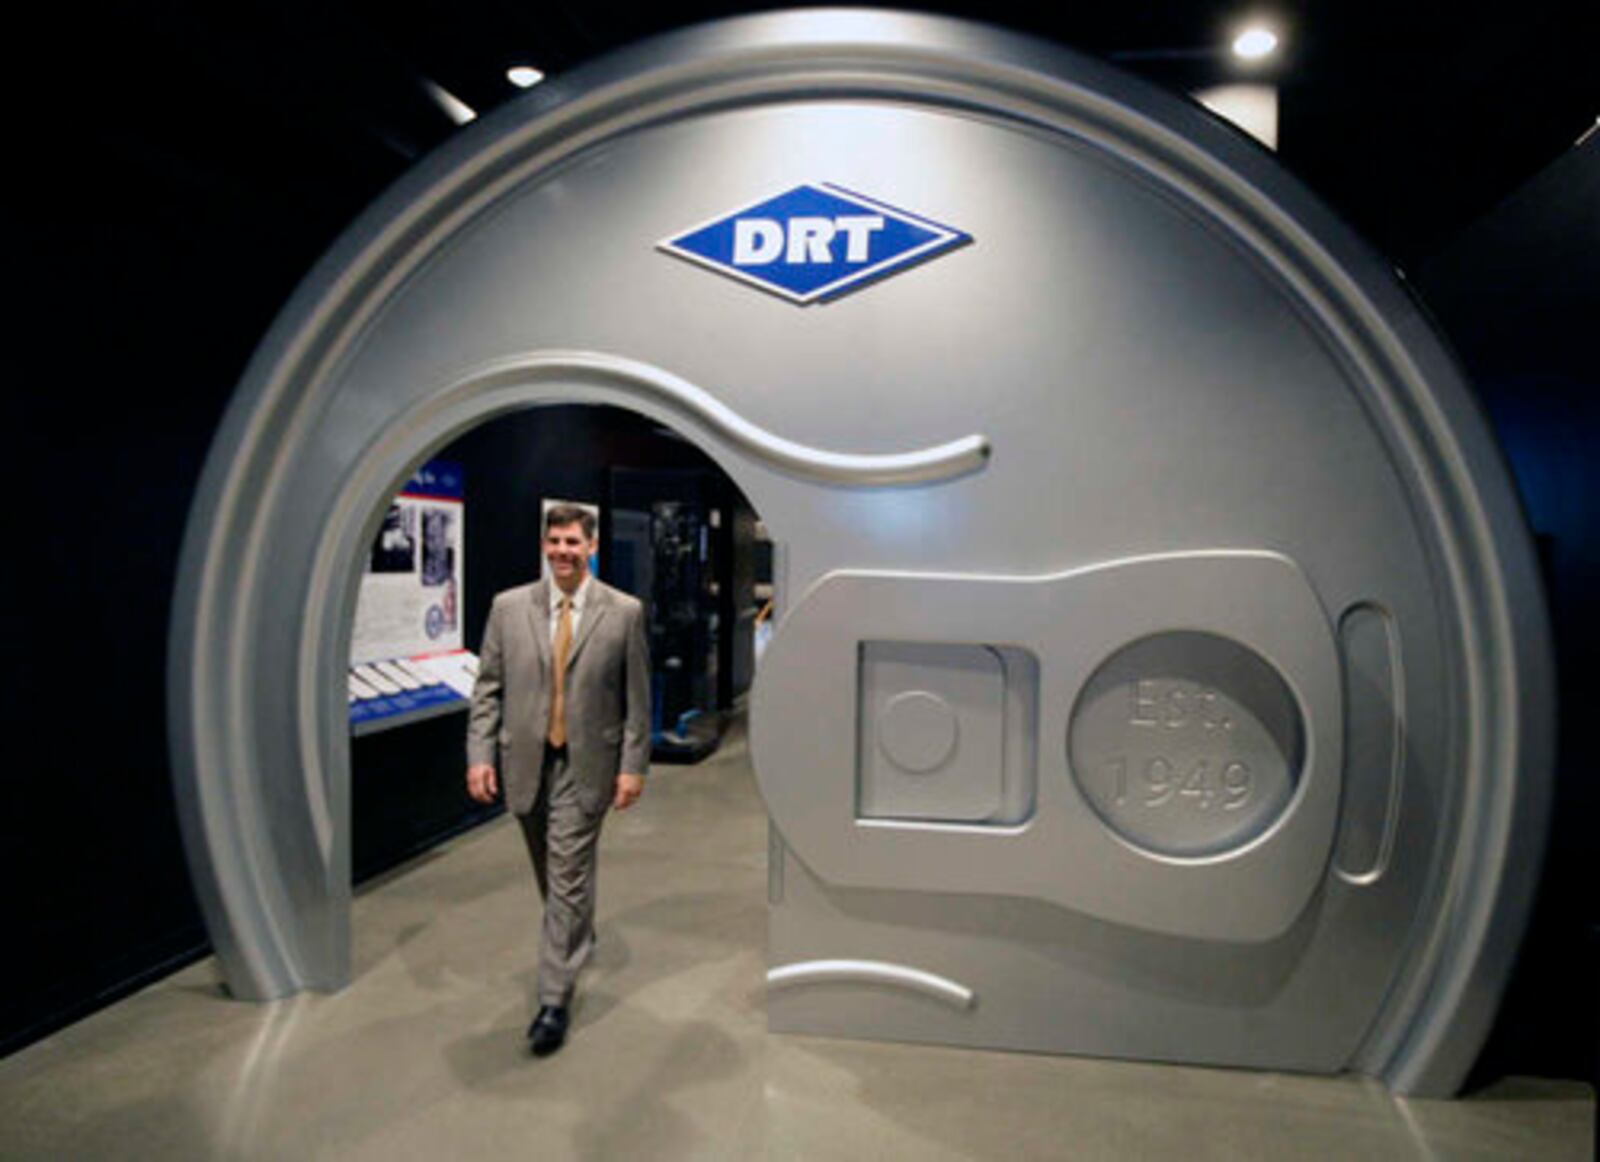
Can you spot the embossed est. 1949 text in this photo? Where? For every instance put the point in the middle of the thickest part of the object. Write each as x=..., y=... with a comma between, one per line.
x=1200, y=783
x=1157, y=781
x=1175, y=705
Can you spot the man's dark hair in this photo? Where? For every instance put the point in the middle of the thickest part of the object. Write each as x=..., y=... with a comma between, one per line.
x=561, y=515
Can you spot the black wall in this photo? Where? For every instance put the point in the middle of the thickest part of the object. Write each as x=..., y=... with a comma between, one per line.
x=408, y=793
x=143, y=270
x=1519, y=294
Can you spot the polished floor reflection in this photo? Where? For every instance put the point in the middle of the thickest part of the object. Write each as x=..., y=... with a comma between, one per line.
x=422, y=1057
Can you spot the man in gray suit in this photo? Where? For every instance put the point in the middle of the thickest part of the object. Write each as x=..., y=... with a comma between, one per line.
x=563, y=694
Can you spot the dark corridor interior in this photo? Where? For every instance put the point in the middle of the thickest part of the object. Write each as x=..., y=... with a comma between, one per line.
x=407, y=782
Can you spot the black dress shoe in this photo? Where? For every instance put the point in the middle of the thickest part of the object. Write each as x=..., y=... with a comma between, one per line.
x=548, y=1031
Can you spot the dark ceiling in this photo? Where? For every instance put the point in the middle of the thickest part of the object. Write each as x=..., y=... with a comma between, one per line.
x=1411, y=119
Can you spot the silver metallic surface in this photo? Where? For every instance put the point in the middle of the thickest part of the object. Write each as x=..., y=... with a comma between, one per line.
x=1062, y=852
x=931, y=731
x=1375, y=743
x=1187, y=744
x=871, y=972
x=1210, y=411
x=944, y=461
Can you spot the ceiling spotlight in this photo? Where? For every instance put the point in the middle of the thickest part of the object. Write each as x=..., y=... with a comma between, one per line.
x=524, y=77
x=1254, y=43
x=454, y=107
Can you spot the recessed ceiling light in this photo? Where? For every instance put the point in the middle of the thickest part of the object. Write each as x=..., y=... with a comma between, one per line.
x=524, y=77
x=1254, y=43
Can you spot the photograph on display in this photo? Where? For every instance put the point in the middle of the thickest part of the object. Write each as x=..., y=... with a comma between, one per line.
x=438, y=558
x=395, y=550
x=439, y=571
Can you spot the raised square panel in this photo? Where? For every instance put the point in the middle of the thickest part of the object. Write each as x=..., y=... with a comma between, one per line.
x=932, y=732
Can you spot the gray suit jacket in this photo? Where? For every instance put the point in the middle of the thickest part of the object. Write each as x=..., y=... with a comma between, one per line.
x=608, y=694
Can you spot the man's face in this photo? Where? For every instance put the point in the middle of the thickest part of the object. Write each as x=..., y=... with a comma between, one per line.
x=568, y=550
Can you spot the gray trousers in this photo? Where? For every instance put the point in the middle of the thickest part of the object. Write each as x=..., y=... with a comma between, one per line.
x=562, y=840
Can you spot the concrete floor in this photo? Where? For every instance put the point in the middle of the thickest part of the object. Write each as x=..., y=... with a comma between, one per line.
x=422, y=1057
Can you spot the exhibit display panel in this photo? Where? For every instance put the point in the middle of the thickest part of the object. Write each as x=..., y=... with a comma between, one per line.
x=411, y=583
x=1161, y=668
x=394, y=691
x=406, y=658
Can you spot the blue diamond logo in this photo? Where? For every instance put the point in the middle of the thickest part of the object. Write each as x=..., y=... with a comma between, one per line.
x=814, y=242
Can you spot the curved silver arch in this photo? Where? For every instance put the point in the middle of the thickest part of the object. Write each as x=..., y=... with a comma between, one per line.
x=923, y=466
x=256, y=726
x=873, y=972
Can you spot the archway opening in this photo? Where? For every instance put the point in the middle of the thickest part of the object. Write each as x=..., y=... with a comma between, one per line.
x=675, y=531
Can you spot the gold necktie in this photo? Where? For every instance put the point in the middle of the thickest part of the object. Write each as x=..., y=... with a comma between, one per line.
x=558, y=691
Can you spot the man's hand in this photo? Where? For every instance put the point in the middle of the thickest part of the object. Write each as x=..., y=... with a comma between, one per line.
x=481, y=783
x=629, y=788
